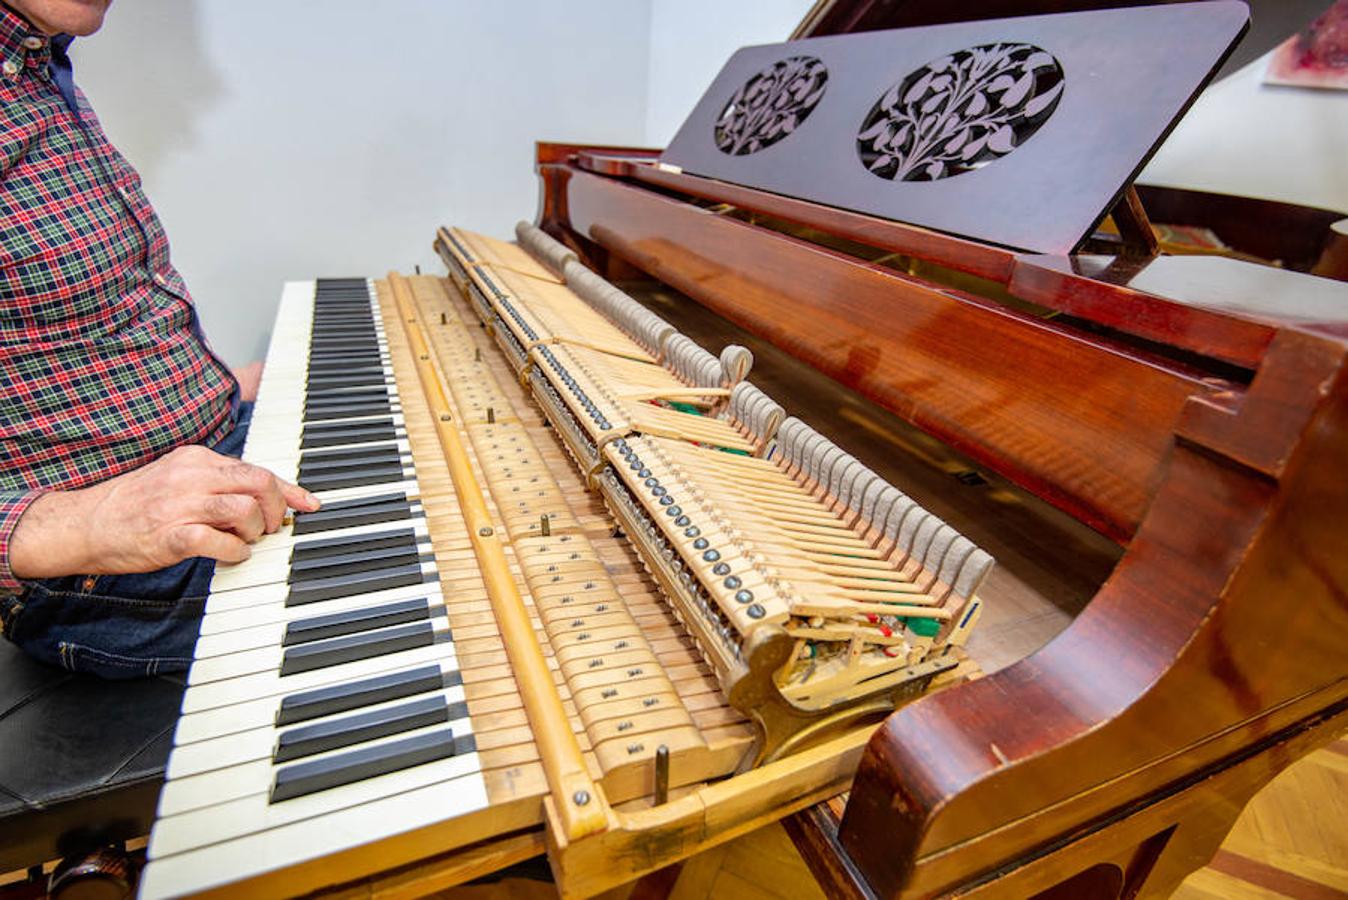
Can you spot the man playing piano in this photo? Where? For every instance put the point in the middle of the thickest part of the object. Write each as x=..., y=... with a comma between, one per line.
x=119, y=428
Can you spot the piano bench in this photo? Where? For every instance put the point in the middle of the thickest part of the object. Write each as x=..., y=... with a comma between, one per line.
x=81, y=759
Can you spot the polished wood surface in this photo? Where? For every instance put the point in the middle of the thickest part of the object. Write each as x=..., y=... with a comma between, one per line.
x=981, y=377
x=1206, y=441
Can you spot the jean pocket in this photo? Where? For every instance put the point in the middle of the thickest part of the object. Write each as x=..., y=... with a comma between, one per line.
x=10, y=607
x=115, y=666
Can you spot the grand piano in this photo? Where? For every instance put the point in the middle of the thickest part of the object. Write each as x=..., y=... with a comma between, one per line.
x=1147, y=440
x=1186, y=412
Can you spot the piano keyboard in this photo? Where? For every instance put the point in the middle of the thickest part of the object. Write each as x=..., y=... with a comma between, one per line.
x=350, y=706
x=325, y=685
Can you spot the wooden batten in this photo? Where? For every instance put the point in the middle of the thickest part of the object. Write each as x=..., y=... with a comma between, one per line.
x=580, y=803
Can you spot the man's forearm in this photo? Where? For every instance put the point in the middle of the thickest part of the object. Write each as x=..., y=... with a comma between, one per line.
x=50, y=538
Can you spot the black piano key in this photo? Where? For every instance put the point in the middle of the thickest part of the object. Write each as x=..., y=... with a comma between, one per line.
x=333, y=481
x=367, y=726
x=354, y=433
x=329, y=519
x=363, y=377
x=350, y=327
x=337, y=586
x=352, y=621
x=344, y=344
x=326, y=388
x=360, y=559
x=349, y=648
x=338, y=546
x=357, y=502
x=319, y=392
x=338, y=466
x=345, y=339
x=353, y=454
x=320, y=429
x=349, y=411
x=356, y=314
x=336, y=698
x=369, y=762
x=337, y=365
x=362, y=412
x=346, y=323
x=333, y=349
x=345, y=330
x=347, y=395
x=317, y=408
x=361, y=374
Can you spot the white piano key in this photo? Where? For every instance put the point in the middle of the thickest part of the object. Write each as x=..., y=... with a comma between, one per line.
x=262, y=603
x=264, y=659
x=270, y=560
x=259, y=743
x=260, y=710
x=226, y=803
x=260, y=626
x=260, y=684
x=289, y=843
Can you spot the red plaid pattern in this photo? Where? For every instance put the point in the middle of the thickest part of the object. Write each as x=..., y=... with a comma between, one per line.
x=102, y=365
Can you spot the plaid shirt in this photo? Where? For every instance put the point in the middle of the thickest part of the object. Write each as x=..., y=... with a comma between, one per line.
x=102, y=363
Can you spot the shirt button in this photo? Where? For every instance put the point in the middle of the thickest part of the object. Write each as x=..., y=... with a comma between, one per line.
x=33, y=43
x=159, y=279
x=10, y=67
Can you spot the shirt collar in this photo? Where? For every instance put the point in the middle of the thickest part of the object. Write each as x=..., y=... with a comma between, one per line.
x=22, y=45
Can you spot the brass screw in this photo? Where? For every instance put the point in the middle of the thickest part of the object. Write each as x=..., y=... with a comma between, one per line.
x=485, y=531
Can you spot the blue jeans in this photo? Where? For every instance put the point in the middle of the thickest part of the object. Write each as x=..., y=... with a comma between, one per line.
x=118, y=626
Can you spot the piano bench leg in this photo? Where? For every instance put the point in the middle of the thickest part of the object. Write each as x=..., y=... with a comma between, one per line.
x=108, y=873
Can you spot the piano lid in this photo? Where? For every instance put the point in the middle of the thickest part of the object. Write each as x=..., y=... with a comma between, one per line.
x=1021, y=132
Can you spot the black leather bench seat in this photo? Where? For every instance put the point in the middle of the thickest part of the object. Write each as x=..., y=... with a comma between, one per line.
x=81, y=759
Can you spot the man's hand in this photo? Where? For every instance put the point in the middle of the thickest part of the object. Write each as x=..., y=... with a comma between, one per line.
x=191, y=502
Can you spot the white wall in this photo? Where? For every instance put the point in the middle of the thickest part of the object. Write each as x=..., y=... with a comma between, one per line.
x=313, y=137
x=330, y=137
x=692, y=39
x=1259, y=140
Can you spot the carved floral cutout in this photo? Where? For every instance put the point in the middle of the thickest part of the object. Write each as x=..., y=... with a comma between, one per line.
x=771, y=105
x=960, y=112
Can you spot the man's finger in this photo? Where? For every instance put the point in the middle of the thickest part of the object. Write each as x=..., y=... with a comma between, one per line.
x=263, y=486
x=238, y=513
x=203, y=540
x=298, y=497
